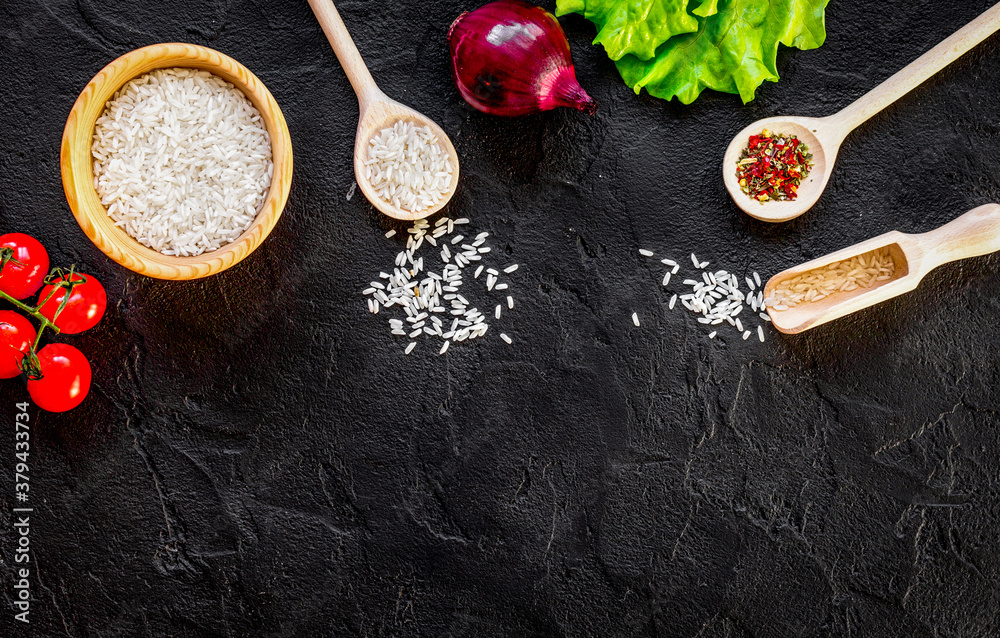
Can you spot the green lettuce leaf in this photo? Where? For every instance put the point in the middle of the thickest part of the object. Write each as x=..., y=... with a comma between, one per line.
x=706, y=8
x=633, y=27
x=733, y=49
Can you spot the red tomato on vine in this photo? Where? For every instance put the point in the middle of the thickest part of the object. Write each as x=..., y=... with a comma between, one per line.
x=58, y=375
x=84, y=309
x=20, y=281
x=65, y=378
x=16, y=336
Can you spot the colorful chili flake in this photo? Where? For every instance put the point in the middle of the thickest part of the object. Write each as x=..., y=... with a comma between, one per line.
x=772, y=166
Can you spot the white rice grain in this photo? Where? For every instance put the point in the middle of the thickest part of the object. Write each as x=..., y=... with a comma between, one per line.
x=408, y=168
x=424, y=296
x=861, y=271
x=182, y=161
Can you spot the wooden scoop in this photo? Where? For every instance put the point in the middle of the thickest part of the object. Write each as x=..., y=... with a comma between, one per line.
x=377, y=111
x=975, y=233
x=825, y=135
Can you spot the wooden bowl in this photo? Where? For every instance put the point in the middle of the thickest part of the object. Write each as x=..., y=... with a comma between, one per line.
x=78, y=173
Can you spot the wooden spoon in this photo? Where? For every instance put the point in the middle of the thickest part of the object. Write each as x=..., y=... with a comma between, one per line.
x=825, y=135
x=975, y=233
x=377, y=111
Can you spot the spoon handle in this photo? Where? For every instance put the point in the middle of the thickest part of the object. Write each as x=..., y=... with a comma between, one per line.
x=975, y=233
x=918, y=71
x=347, y=52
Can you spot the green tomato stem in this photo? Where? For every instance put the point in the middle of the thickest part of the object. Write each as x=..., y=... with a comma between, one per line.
x=21, y=305
x=49, y=296
x=43, y=322
x=38, y=338
x=62, y=281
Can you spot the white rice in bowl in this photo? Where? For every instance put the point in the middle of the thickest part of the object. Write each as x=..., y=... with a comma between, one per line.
x=182, y=161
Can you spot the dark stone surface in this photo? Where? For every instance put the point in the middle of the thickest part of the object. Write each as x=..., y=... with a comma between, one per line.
x=257, y=457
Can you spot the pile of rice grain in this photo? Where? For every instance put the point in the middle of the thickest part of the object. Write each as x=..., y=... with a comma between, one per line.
x=428, y=296
x=407, y=167
x=716, y=296
x=860, y=271
x=182, y=161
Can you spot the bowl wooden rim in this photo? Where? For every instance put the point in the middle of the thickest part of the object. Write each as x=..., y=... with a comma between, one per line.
x=77, y=163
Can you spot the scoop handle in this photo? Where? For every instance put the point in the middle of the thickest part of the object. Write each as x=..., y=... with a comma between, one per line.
x=347, y=52
x=915, y=73
x=975, y=233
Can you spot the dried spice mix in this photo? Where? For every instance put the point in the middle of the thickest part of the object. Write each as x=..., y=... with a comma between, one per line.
x=772, y=166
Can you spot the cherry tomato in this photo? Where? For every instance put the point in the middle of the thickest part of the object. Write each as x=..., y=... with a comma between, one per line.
x=16, y=336
x=83, y=310
x=21, y=281
x=66, y=378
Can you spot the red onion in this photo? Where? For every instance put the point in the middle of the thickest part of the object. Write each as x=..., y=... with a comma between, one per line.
x=512, y=58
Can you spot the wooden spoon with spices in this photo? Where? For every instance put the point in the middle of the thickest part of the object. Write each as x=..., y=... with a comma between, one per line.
x=975, y=233
x=825, y=135
x=376, y=112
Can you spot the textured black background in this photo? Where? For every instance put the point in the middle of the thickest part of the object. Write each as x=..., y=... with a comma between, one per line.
x=257, y=457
